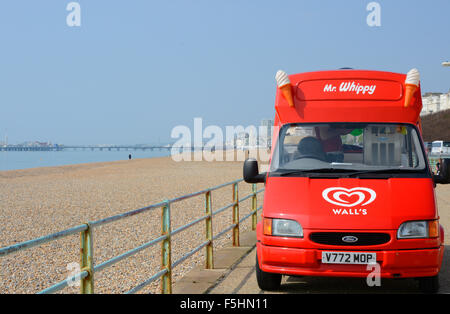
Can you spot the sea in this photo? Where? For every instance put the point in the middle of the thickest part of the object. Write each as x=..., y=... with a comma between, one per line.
x=13, y=160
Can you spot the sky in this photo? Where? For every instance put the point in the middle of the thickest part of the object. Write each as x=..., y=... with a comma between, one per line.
x=133, y=70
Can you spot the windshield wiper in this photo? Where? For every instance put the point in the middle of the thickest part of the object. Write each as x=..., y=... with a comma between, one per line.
x=346, y=172
x=318, y=170
x=383, y=171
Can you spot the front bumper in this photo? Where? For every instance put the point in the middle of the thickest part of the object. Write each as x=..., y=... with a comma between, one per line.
x=307, y=262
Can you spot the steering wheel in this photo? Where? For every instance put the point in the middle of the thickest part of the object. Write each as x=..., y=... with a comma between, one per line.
x=310, y=156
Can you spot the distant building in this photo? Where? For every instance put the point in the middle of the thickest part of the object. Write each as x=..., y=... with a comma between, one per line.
x=265, y=138
x=242, y=140
x=434, y=102
x=36, y=144
x=5, y=142
x=445, y=101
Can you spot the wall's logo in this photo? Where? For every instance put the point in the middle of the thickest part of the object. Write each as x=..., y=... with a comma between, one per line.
x=349, y=197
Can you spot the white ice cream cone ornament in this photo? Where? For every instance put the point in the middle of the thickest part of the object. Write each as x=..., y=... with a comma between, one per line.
x=411, y=85
x=284, y=84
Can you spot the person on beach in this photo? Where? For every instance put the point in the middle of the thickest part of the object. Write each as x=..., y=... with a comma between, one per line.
x=438, y=167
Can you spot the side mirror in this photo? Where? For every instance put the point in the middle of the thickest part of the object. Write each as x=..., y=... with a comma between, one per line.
x=251, y=172
x=443, y=176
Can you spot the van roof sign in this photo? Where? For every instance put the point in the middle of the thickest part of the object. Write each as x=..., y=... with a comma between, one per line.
x=350, y=96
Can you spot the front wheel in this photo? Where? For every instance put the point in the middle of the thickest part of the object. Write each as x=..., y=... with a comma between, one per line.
x=429, y=284
x=267, y=281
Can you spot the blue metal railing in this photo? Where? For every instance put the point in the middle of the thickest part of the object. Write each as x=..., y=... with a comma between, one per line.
x=88, y=269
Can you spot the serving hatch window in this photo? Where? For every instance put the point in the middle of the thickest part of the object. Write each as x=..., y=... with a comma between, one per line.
x=348, y=146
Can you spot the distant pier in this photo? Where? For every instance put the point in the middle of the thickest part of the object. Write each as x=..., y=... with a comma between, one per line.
x=24, y=148
x=18, y=148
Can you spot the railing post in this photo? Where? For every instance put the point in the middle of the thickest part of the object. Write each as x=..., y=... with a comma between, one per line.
x=209, y=232
x=236, y=214
x=166, y=260
x=87, y=260
x=254, y=207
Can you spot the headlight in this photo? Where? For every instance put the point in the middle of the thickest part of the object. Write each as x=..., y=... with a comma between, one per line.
x=282, y=228
x=418, y=229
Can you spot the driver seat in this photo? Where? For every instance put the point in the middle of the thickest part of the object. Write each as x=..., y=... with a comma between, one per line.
x=311, y=147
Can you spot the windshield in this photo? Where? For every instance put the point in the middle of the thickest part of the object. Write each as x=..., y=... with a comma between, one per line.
x=347, y=147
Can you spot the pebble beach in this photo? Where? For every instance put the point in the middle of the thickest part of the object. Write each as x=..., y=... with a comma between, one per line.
x=40, y=201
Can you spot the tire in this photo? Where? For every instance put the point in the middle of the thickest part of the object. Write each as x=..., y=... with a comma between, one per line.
x=429, y=285
x=267, y=281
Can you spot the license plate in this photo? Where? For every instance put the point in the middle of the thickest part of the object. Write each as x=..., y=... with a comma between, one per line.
x=349, y=258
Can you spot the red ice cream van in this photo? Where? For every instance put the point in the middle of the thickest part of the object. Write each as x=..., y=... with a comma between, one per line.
x=349, y=190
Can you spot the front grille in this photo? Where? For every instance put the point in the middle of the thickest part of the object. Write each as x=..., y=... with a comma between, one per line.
x=335, y=238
